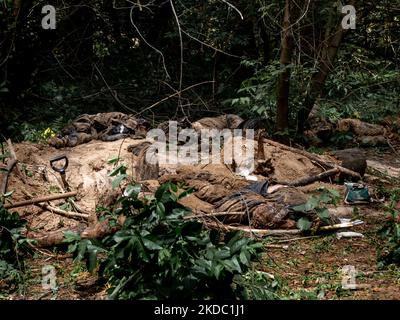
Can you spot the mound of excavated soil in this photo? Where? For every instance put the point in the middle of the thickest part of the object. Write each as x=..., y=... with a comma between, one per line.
x=88, y=173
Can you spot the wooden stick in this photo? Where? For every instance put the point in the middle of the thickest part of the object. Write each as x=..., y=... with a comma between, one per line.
x=10, y=165
x=40, y=199
x=308, y=180
x=276, y=246
x=213, y=214
x=297, y=239
x=338, y=226
x=261, y=232
x=277, y=232
x=64, y=213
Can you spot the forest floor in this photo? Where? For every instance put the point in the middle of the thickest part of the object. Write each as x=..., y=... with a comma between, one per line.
x=307, y=268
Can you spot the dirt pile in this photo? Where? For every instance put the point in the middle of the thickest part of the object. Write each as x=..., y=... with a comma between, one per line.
x=283, y=177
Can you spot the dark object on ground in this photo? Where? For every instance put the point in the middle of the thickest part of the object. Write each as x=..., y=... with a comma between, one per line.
x=259, y=187
x=353, y=159
x=253, y=123
x=109, y=126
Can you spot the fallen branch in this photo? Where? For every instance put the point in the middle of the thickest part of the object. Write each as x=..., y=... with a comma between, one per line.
x=214, y=214
x=315, y=158
x=262, y=232
x=10, y=165
x=340, y=226
x=308, y=180
x=276, y=246
x=278, y=232
x=64, y=213
x=40, y=199
x=259, y=232
x=98, y=231
x=297, y=239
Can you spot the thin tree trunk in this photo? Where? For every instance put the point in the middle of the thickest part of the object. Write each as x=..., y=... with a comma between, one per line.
x=287, y=46
x=325, y=67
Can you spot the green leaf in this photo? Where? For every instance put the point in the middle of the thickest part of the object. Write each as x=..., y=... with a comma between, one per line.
x=232, y=237
x=121, y=169
x=238, y=245
x=300, y=208
x=72, y=247
x=304, y=224
x=163, y=256
x=217, y=270
x=222, y=253
x=312, y=203
x=160, y=209
x=323, y=213
x=186, y=193
x=334, y=192
x=113, y=160
x=244, y=257
x=151, y=245
x=161, y=191
x=236, y=264
x=82, y=246
x=117, y=181
x=91, y=261
x=325, y=198
x=174, y=187
x=132, y=191
x=70, y=236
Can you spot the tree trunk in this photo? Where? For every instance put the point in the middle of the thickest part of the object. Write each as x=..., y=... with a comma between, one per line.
x=325, y=67
x=287, y=46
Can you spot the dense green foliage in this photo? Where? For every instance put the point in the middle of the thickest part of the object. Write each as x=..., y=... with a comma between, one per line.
x=118, y=55
x=390, y=253
x=159, y=254
x=12, y=247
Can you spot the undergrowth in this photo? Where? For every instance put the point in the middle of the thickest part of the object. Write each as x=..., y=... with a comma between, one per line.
x=389, y=253
x=13, y=248
x=160, y=253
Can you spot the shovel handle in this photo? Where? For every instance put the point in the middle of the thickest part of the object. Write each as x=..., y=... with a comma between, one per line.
x=56, y=159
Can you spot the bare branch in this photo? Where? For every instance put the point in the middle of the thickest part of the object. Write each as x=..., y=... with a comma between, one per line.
x=145, y=41
x=234, y=8
x=181, y=53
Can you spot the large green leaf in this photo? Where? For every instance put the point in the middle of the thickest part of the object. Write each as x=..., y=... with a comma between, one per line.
x=244, y=257
x=121, y=169
x=132, y=191
x=237, y=246
x=151, y=245
x=160, y=209
x=323, y=213
x=91, y=261
x=117, y=180
x=304, y=224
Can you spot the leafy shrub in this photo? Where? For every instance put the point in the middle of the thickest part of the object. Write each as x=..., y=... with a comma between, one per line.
x=160, y=254
x=314, y=209
x=390, y=252
x=12, y=246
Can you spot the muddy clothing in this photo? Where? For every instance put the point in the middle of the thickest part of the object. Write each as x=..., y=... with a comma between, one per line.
x=102, y=126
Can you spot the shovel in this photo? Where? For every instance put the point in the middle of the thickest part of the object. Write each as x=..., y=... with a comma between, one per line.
x=62, y=165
